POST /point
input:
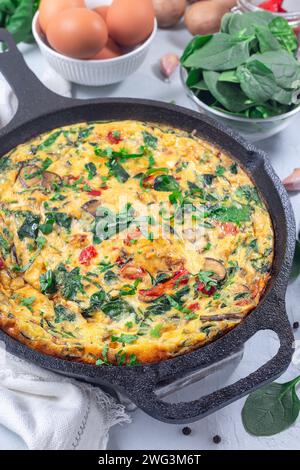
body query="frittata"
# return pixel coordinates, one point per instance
(127, 242)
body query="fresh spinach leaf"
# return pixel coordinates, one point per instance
(228, 94)
(284, 66)
(257, 81)
(244, 25)
(196, 43)
(16, 16)
(229, 76)
(266, 40)
(271, 409)
(285, 35)
(194, 76)
(222, 52)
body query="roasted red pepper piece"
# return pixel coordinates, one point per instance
(132, 235)
(207, 291)
(194, 306)
(94, 192)
(275, 6)
(2, 265)
(87, 255)
(114, 137)
(229, 228)
(160, 289)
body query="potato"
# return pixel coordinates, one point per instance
(227, 3)
(168, 12)
(204, 17)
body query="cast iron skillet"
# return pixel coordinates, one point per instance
(39, 111)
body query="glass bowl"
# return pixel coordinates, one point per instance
(252, 130)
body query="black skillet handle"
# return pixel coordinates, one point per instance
(185, 412)
(33, 97)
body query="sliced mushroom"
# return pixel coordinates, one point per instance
(228, 316)
(91, 206)
(216, 267)
(25, 179)
(49, 179)
(14, 255)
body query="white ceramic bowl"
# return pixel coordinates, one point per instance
(251, 129)
(92, 72)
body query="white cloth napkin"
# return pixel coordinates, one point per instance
(49, 411)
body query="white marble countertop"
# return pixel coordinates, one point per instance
(145, 432)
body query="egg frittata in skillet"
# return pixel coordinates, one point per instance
(127, 242)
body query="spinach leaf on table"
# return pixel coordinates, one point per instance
(16, 16)
(271, 409)
(221, 52)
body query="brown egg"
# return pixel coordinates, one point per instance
(79, 33)
(130, 22)
(110, 51)
(102, 11)
(49, 8)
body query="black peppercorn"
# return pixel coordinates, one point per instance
(217, 439)
(296, 325)
(186, 431)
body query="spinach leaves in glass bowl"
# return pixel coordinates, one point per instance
(248, 69)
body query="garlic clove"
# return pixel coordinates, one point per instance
(292, 182)
(168, 64)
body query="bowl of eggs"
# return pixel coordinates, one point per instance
(97, 46)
